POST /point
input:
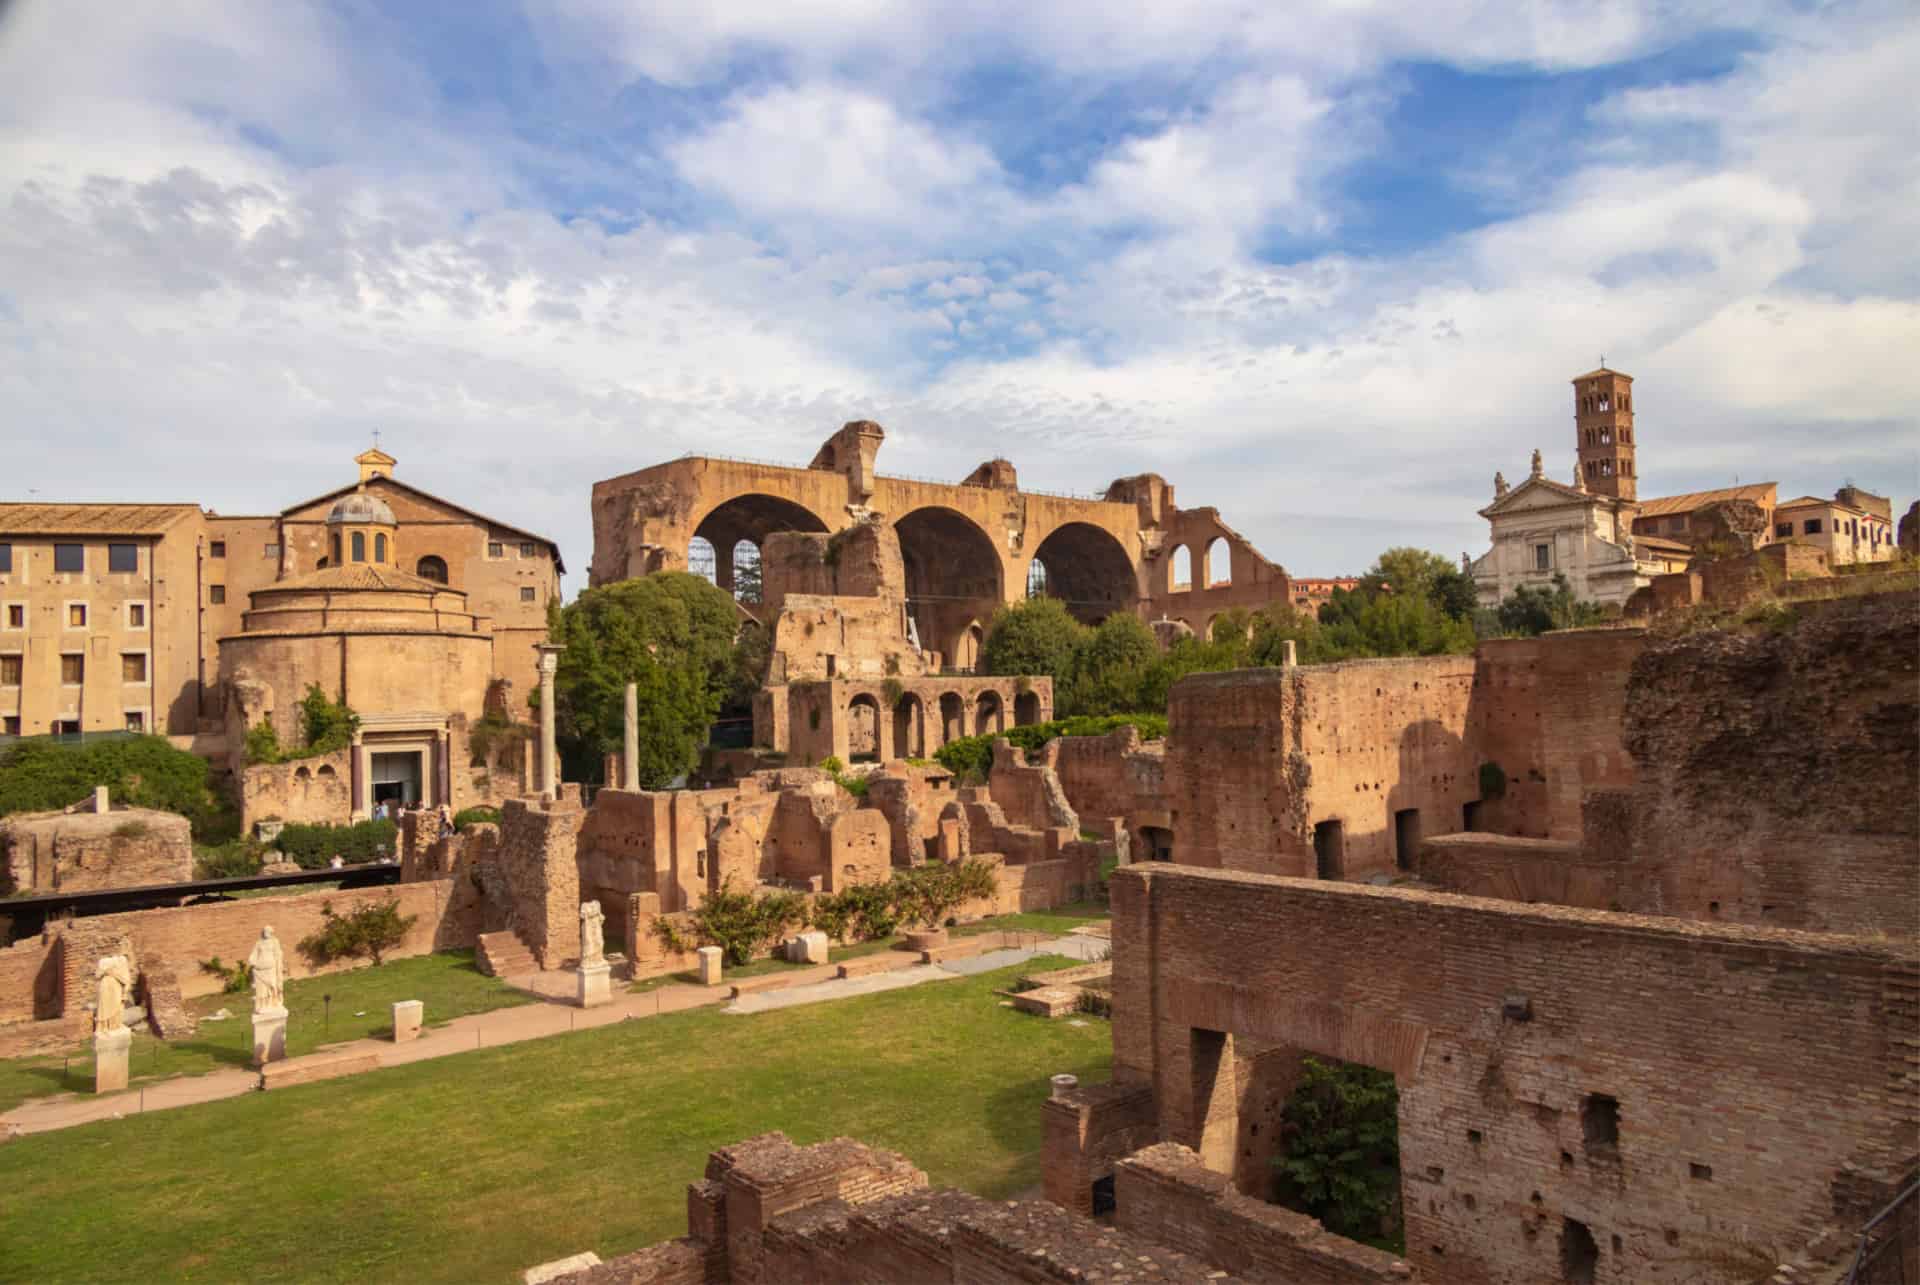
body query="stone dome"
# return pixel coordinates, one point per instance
(359, 507)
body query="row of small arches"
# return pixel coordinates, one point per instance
(1216, 566)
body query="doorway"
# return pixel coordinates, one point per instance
(1329, 849)
(397, 778)
(1406, 837)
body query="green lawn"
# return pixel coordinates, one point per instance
(761, 967)
(448, 983)
(1059, 921)
(476, 1166)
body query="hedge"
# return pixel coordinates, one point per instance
(972, 756)
(313, 847)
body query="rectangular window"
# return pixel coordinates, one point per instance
(69, 557)
(11, 667)
(216, 594)
(76, 615)
(66, 727)
(136, 615)
(271, 551)
(217, 549)
(526, 548)
(10, 725)
(133, 667)
(495, 549)
(16, 615)
(1677, 524)
(136, 721)
(526, 593)
(1542, 557)
(1783, 529)
(123, 557)
(6, 557)
(1811, 526)
(73, 669)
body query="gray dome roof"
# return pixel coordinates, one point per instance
(360, 507)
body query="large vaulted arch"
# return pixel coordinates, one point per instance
(1087, 569)
(953, 576)
(750, 518)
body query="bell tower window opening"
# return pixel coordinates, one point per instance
(359, 546)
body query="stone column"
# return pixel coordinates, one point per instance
(110, 1060)
(630, 746)
(1289, 656)
(549, 756)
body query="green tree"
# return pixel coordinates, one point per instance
(1108, 667)
(1035, 637)
(1354, 625)
(1342, 1160)
(1279, 625)
(673, 634)
(1531, 610)
(370, 930)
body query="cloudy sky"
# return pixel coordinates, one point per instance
(1325, 266)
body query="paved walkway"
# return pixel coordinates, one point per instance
(557, 1016)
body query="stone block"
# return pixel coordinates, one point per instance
(110, 1060)
(710, 957)
(407, 1015)
(269, 1036)
(323, 1066)
(808, 948)
(593, 989)
(560, 1267)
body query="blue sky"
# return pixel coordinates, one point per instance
(1327, 267)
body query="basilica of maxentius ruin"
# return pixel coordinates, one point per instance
(1628, 913)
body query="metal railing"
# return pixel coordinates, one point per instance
(1084, 496)
(1893, 1228)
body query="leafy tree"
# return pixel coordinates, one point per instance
(673, 634)
(1279, 625)
(1357, 624)
(1035, 637)
(1109, 664)
(1342, 1160)
(138, 771)
(370, 930)
(1191, 656)
(1531, 610)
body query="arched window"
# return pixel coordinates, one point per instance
(747, 586)
(380, 548)
(1180, 570)
(336, 548)
(1219, 562)
(700, 557)
(359, 546)
(431, 568)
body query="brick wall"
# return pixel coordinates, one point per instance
(1747, 1067)
(1116, 775)
(79, 851)
(535, 874)
(31, 981)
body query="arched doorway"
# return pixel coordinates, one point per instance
(750, 519)
(909, 727)
(953, 717)
(966, 655)
(1026, 708)
(989, 716)
(863, 728)
(953, 579)
(1087, 569)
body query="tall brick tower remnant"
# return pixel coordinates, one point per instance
(1603, 431)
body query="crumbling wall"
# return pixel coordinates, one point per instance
(532, 876)
(1698, 1091)
(83, 851)
(32, 984)
(1029, 793)
(911, 798)
(309, 791)
(1116, 775)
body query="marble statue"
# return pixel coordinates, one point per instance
(593, 934)
(269, 966)
(115, 980)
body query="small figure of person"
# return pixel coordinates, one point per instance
(337, 862)
(446, 820)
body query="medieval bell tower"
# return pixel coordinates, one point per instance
(1603, 431)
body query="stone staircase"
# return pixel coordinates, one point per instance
(503, 954)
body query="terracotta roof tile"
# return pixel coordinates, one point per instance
(359, 575)
(91, 519)
(1758, 492)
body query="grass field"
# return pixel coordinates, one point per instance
(448, 983)
(474, 1167)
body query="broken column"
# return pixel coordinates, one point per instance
(630, 745)
(549, 754)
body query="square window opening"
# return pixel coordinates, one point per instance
(1600, 1121)
(123, 557)
(70, 557)
(11, 670)
(217, 549)
(216, 594)
(73, 669)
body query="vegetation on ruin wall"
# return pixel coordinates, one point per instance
(472, 1168)
(674, 635)
(138, 771)
(325, 726)
(972, 756)
(1341, 1128)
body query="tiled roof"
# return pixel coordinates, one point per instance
(359, 575)
(1804, 500)
(1758, 492)
(91, 519)
(350, 487)
(1660, 544)
(1595, 374)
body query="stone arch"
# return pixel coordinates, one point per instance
(326, 772)
(1088, 570)
(989, 715)
(909, 727)
(1026, 708)
(751, 517)
(953, 716)
(1219, 562)
(1180, 569)
(863, 727)
(953, 577)
(431, 568)
(966, 654)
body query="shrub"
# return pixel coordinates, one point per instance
(475, 816)
(328, 725)
(925, 895)
(132, 830)
(861, 912)
(492, 732)
(263, 743)
(234, 859)
(138, 771)
(312, 847)
(232, 980)
(370, 930)
(1342, 1158)
(742, 923)
(972, 756)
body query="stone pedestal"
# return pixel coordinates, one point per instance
(407, 1016)
(269, 1036)
(710, 957)
(110, 1060)
(594, 989)
(926, 938)
(808, 948)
